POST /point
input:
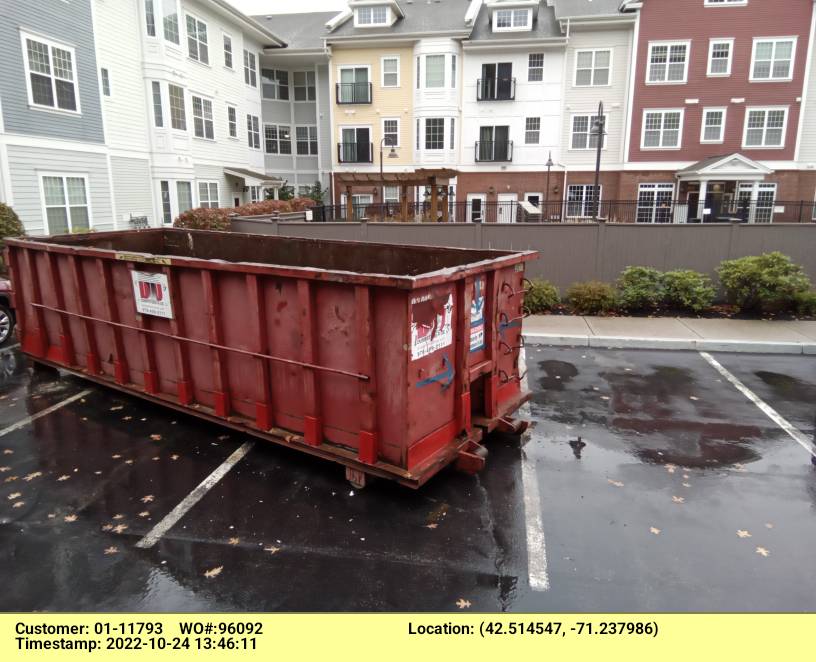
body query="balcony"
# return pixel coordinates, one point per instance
(355, 153)
(353, 93)
(492, 151)
(495, 89)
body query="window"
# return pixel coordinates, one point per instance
(275, 84)
(535, 67)
(453, 71)
(377, 15)
(178, 117)
(197, 40)
(171, 21)
(417, 133)
(167, 210)
(203, 118)
(532, 130)
(760, 198)
(228, 51)
(654, 203)
(581, 200)
(434, 133)
(306, 137)
(304, 84)
(668, 62)
(354, 85)
(662, 129)
(150, 18)
(434, 71)
(250, 70)
(713, 125)
(592, 68)
(304, 190)
(418, 77)
(772, 59)
(253, 132)
(105, 76)
(50, 75)
(390, 130)
(452, 132)
(184, 193)
(232, 121)
(208, 194)
(582, 137)
(65, 200)
(765, 127)
(390, 72)
(720, 54)
(511, 19)
(278, 139)
(158, 114)
(391, 194)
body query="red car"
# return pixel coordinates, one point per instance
(6, 313)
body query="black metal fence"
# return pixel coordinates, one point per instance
(495, 89)
(353, 93)
(355, 152)
(493, 150)
(642, 211)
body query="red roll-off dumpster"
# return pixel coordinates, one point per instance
(391, 360)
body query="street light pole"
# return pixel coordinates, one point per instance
(391, 155)
(598, 130)
(549, 165)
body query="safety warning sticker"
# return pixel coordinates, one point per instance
(477, 326)
(152, 294)
(431, 324)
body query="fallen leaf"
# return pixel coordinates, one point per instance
(144, 513)
(768, 525)
(8, 451)
(742, 533)
(685, 476)
(604, 397)
(63, 477)
(432, 525)
(223, 437)
(155, 457)
(117, 408)
(213, 572)
(32, 476)
(142, 419)
(234, 541)
(116, 457)
(671, 468)
(119, 528)
(272, 549)
(693, 397)
(127, 418)
(616, 483)
(118, 516)
(70, 518)
(678, 499)
(111, 550)
(762, 551)
(18, 504)
(462, 603)
(97, 473)
(51, 515)
(107, 527)
(10, 479)
(156, 437)
(4, 469)
(175, 457)
(14, 495)
(147, 498)
(655, 530)
(128, 461)
(686, 484)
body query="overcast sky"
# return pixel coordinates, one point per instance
(256, 7)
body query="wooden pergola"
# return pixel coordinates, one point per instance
(433, 178)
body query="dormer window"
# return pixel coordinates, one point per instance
(371, 15)
(505, 20)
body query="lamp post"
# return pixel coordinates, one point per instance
(598, 127)
(549, 165)
(391, 155)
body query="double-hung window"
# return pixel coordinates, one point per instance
(535, 67)
(654, 203)
(228, 51)
(150, 18)
(178, 115)
(390, 71)
(306, 138)
(434, 71)
(253, 132)
(532, 130)
(581, 134)
(170, 20)
(592, 68)
(278, 139)
(304, 84)
(275, 84)
(772, 59)
(197, 47)
(105, 77)
(184, 194)
(713, 128)
(668, 62)
(208, 194)
(158, 112)
(662, 129)
(250, 69)
(434, 133)
(390, 130)
(765, 127)
(581, 200)
(203, 118)
(65, 199)
(52, 80)
(720, 56)
(232, 121)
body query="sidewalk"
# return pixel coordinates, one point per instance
(714, 335)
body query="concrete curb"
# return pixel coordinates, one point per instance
(689, 344)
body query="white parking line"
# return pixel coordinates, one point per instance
(172, 518)
(536, 545)
(766, 409)
(44, 412)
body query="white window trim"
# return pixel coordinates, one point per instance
(235, 108)
(789, 78)
(423, 142)
(538, 130)
(682, 112)
(261, 144)
(212, 113)
(187, 109)
(543, 59)
(711, 42)
(655, 187)
(51, 44)
(64, 175)
(611, 52)
(159, 10)
(399, 130)
(224, 33)
(725, 3)
(292, 86)
(256, 69)
(724, 111)
(445, 72)
(388, 19)
(198, 47)
(197, 194)
(584, 200)
(680, 42)
(518, 28)
(294, 139)
(382, 71)
(590, 115)
(748, 110)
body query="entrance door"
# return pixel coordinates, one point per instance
(354, 85)
(714, 201)
(356, 145)
(506, 212)
(475, 207)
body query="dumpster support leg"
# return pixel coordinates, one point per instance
(78, 276)
(312, 432)
(184, 390)
(367, 439)
(121, 372)
(263, 386)
(212, 305)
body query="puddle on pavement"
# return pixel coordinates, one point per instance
(556, 374)
(787, 387)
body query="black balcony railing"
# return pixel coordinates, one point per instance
(353, 93)
(355, 153)
(492, 150)
(495, 89)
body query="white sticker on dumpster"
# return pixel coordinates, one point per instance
(152, 294)
(431, 324)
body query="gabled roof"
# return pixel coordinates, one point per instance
(259, 31)
(300, 31)
(419, 17)
(545, 26)
(725, 165)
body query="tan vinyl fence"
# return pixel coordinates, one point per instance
(585, 251)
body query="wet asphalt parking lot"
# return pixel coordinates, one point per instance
(648, 483)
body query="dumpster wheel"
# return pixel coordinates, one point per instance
(356, 478)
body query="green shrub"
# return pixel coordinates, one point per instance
(806, 303)
(592, 297)
(542, 296)
(765, 283)
(640, 288)
(684, 289)
(10, 224)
